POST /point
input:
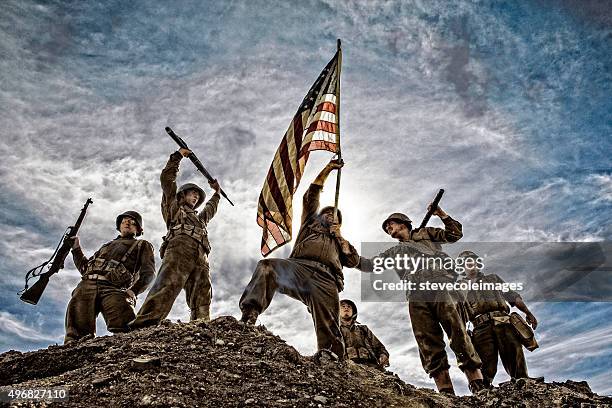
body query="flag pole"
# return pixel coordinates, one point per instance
(339, 173)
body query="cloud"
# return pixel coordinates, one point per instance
(10, 326)
(508, 120)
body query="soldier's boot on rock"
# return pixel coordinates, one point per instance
(325, 356)
(201, 313)
(443, 382)
(249, 316)
(476, 381)
(477, 385)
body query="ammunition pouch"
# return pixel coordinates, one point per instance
(524, 331)
(197, 233)
(359, 353)
(114, 271)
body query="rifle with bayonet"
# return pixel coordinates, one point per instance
(195, 160)
(32, 294)
(432, 208)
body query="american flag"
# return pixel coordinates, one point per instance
(314, 127)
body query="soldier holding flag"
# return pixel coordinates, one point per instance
(313, 272)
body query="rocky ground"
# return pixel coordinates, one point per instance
(224, 363)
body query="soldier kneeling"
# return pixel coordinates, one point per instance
(111, 279)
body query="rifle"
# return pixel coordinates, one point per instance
(32, 295)
(195, 160)
(434, 205)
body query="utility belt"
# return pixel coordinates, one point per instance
(335, 274)
(487, 317)
(359, 353)
(108, 270)
(95, 276)
(112, 270)
(431, 275)
(197, 233)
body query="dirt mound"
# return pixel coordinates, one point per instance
(224, 363)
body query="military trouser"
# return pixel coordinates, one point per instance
(185, 265)
(314, 287)
(89, 299)
(492, 338)
(426, 318)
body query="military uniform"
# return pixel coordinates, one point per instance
(362, 346)
(433, 312)
(121, 264)
(312, 274)
(493, 334)
(185, 256)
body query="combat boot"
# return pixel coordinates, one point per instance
(443, 382)
(476, 385)
(201, 313)
(249, 316)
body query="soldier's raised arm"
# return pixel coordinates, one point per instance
(169, 174)
(452, 231)
(310, 204)
(210, 209)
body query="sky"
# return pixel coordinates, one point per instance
(506, 105)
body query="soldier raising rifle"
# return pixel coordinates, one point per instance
(184, 251)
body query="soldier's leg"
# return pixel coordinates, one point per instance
(177, 265)
(116, 309)
(485, 343)
(429, 337)
(198, 290)
(511, 351)
(270, 275)
(448, 315)
(324, 305)
(81, 312)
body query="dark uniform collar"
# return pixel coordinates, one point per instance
(131, 236)
(188, 209)
(479, 275)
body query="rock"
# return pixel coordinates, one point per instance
(101, 381)
(321, 399)
(260, 370)
(144, 362)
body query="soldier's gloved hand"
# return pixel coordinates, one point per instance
(335, 164)
(214, 185)
(131, 297)
(184, 152)
(74, 242)
(531, 320)
(335, 230)
(438, 211)
(384, 360)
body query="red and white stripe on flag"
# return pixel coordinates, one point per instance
(314, 127)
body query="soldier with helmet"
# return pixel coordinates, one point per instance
(433, 312)
(111, 279)
(184, 251)
(313, 272)
(362, 346)
(494, 333)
